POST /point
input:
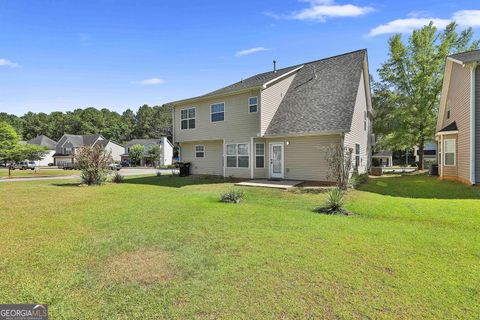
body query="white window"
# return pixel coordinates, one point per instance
(187, 118)
(449, 151)
(199, 151)
(259, 155)
(365, 120)
(357, 155)
(253, 104)
(67, 150)
(217, 112)
(237, 155)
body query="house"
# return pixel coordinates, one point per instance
(382, 159)
(277, 124)
(458, 123)
(429, 153)
(49, 144)
(166, 150)
(68, 143)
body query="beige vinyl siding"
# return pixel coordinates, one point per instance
(477, 125)
(357, 134)
(459, 98)
(271, 98)
(304, 156)
(211, 164)
(238, 122)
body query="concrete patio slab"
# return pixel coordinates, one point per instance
(279, 184)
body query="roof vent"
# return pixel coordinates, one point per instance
(274, 65)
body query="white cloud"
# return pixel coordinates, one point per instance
(150, 82)
(320, 10)
(247, 52)
(464, 18)
(468, 18)
(8, 63)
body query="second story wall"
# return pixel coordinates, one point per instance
(271, 98)
(238, 122)
(458, 103)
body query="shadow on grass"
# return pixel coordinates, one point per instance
(67, 184)
(420, 186)
(176, 181)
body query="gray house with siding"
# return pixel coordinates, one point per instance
(277, 124)
(458, 124)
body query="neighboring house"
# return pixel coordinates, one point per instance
(68, 143)
(429, 153)
(458, 124)
(277, 124)
(49, 144)
(382, 159)
(166, 150)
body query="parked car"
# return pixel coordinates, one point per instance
(67, 166)
(115, 166)
(125, 163)
(24, 165)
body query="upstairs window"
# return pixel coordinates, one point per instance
(253, 104)
(365, 120)
(449, 109)
(188, 118)
(217, 112)
(199, 151)
(259, 155)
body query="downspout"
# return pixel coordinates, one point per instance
(473, 154)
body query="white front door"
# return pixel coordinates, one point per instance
(276, 160)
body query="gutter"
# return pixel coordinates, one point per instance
(473, 154)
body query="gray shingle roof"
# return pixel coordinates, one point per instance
(142, 142)
(43, 141)
(467, 56)
(383, 154)
(451, 127)
(321, 97)
(82, 140)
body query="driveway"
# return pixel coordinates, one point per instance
(123, 171)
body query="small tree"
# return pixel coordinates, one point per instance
(153, 154)
(136, 153)
(93, 161)
(12, 151)
(339, 161)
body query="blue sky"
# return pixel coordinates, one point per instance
(60, 55)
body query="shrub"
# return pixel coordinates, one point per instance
(334, 203)
(117, 178)
(232, 196)
(93, 162)
(358, 179)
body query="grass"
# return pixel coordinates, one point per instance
(165, 247)
(38, 173)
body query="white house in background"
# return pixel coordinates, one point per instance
(49, 144)
(69, 143)
(383, 158)
(166, 150)
(429, 153)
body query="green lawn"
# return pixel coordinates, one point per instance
(38, 173)
(164, 247)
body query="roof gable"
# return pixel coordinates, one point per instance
(322, 96)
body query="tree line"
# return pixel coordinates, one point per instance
(147, 122)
